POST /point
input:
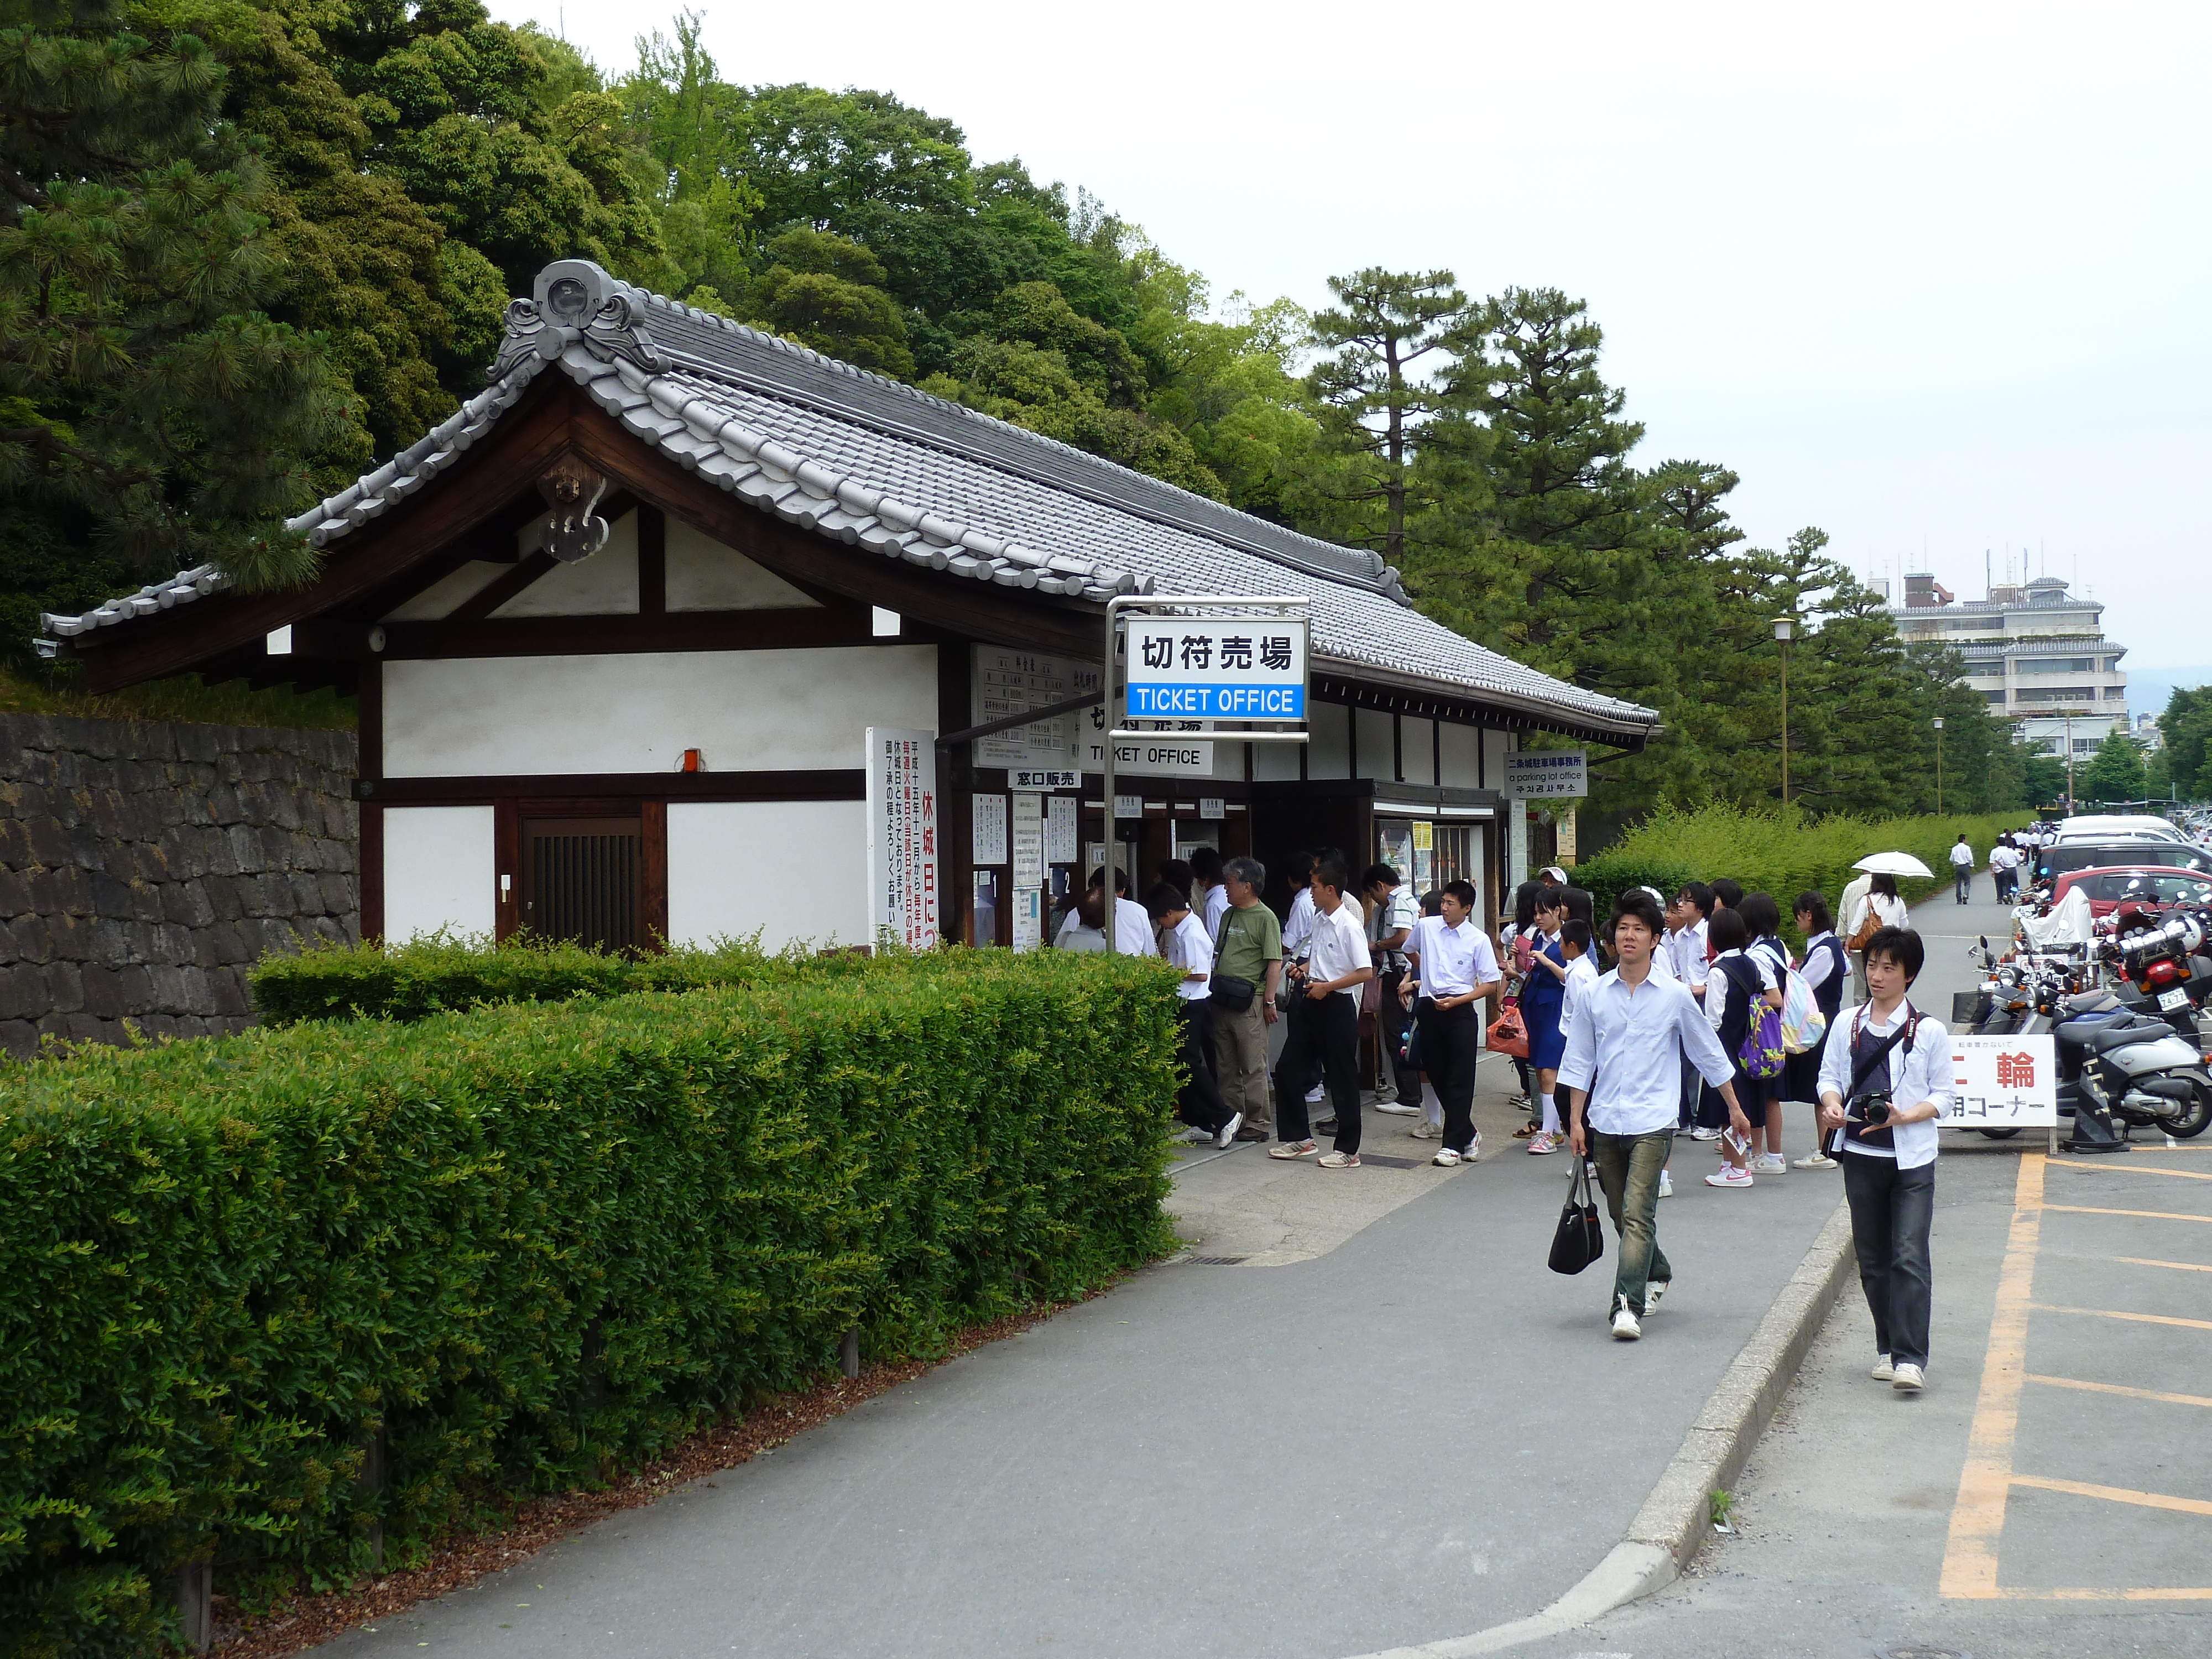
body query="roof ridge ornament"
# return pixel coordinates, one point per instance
(575, 303)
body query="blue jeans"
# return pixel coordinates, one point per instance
(1628, 1169)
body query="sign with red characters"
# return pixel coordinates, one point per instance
(2004, 1083)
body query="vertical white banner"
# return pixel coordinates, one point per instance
(1028, 870)
(903, 896)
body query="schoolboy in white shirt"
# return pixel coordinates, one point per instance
(1327, 1029)
(1454, 968)
(1200, 1101)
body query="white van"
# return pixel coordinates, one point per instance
(2118, 826)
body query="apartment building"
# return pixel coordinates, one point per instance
(2035, 650)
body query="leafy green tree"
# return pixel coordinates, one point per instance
(2185, 732)
(2043, 777)
(1384, 323)
(147, 399)
(826, 292)
(2115, 772)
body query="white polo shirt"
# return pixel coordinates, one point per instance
(1190, 949)
(1339, 946)
(1453, 961)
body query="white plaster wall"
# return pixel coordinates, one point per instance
(1494, 747)
(441, 870)
(1417, 739)
(1460, 757)
(1329, 747)
(746, 711)
(793, 870)
(1377, 737)
(605, 584)
(1276, 762)
(705, 575)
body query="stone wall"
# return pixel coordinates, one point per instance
(145, 865)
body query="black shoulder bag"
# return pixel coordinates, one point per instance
(1580, 1239)
(1228, 991)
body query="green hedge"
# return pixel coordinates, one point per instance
(441, 973)
(519, 1243)
(1778, 852)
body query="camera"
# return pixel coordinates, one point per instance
(1873, 1110)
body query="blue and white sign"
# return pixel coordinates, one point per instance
(1182, 668)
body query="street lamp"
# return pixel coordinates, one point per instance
(1939, 765)
(1783, 627)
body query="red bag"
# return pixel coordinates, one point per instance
(1507, 1034)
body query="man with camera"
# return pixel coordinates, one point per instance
(1882, 1087)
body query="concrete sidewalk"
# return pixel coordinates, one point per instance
(1410, 1431)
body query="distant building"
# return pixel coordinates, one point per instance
(2148, 734)
(2035, 651)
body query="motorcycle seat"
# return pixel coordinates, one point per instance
(2099, 1036)
(2090, 1002)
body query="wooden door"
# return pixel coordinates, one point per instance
(583, 880)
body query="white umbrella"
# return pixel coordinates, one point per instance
(1892, 864)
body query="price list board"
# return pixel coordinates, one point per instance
(1007, 683)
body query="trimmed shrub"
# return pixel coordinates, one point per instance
(441, 973)
(519, 1243)
(1777, 852)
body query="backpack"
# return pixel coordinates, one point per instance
(1760, 1054)
(1802, 1023)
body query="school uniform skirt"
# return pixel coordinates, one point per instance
(1800, 1074)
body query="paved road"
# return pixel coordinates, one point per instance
(2051, 1493)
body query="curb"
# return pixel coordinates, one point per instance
(1674, 1523)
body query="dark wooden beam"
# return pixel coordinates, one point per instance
(682, 630)
(651, 562)
(839, 783)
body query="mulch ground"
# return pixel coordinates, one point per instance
(460, 1561)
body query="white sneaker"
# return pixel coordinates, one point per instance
(1666, 1183)
(1397, 1109)
(1705, 1135)
(1445, 1158)
(1770, 1164)
(1909, 1379)
(1473, 1153)
(1652, 1291)
(1729, 1175)
(1229, 1129)
(1625, 1325)
(1428, 1132)
(1815, 1161)
(1883, 1371)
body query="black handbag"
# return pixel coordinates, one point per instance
(1581, 1238)
(1230, 993)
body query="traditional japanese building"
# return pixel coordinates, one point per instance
(619, 627)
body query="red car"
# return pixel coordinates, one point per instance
(2153, 886)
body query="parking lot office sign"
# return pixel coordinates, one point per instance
(1548, 774)
(1183, 668)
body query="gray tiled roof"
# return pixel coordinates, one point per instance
(882, 467)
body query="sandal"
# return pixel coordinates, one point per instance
(1525, 1130)
(1293, 1149)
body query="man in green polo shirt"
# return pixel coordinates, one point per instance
(1249, 949)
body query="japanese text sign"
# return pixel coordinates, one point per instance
(903, 820)
(1238, 669)
(2003, 1083)
(1560, 773)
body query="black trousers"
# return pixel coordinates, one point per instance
(1391, 1023)
(1199, 1104)
(1891, 1212)
(1451, 1044)
(1325, 1034)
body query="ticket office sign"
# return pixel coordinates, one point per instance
(1185, 669)
(2004, 1083)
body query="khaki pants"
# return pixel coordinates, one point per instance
(1240, 1047)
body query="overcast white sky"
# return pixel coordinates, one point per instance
(1929, 277)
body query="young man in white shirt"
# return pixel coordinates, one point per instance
(1198, 1102)
(1327, 1029)
(1623, 1073)
(1962, 868)
(1390, 927)
(1686, 946)
(1885, 1079)
(1132, 924)
(1454, 968)
(1212, 896)
(1577, 944)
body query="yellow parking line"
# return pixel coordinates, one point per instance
(2130, 1169)
(1969, 1556)
(2140, 1319)
(2114, 1388)
(2179, 1266)
(2149, 1500)
(2148, 1215)
(2106, 1595)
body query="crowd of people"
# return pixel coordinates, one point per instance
(1660, 1021)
